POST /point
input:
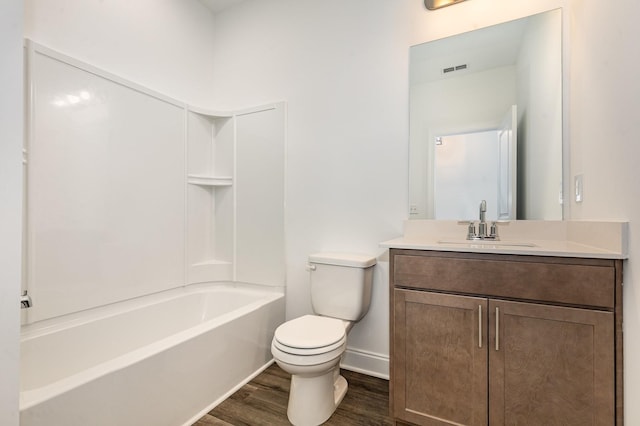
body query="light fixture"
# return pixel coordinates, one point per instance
(437, 4)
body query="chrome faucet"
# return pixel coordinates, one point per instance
(482, 226)
(482, 233)
(25, 300)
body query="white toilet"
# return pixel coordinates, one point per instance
(310, 347)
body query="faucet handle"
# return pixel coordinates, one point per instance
(493, 233)
(471, 232)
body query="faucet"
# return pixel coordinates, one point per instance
(482, 233)
(482, 226)
(25, 300)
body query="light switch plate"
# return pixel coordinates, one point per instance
(579, 188)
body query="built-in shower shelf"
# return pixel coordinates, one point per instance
(202, 180)
(210, 270)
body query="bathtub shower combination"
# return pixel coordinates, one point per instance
(154, 263)
(157, 360)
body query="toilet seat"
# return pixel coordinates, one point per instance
(309, 352)
(310, 335)
(309, 340)
(306, 360)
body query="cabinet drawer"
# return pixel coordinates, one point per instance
(558, 280)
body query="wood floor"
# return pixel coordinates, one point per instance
(263, 402)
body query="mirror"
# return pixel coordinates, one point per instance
(473, 84)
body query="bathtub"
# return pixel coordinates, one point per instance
(164, 359)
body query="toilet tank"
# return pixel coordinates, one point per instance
(341, 284)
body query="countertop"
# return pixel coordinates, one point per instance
(602, 240)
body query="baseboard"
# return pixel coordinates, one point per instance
(365, 362)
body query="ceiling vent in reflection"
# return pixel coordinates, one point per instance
(454, 68)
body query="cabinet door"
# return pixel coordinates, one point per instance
(440, 358)
(550, 365)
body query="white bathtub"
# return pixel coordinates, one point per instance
(164, 359)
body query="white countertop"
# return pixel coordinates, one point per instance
(602, 240)
(540, 247)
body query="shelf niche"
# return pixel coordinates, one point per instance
(210, 197)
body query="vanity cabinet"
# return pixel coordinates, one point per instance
(496, 339)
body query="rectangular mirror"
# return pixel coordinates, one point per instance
(486, 122)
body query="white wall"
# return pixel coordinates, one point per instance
(343, 68)
(336, 63)
(10, 205)
(605, 103)
(161, 44)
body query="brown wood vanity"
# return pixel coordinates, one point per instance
(494, 339)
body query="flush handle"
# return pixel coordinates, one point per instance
(310, 267)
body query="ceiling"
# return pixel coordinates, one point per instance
(219, 5)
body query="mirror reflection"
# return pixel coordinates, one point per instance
(486, 122)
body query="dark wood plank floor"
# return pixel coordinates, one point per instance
(263, 402)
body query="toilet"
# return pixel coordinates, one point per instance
(310, 347)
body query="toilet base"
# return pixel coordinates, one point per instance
(340, 388)
(314, 398)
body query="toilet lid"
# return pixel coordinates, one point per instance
(310, 331)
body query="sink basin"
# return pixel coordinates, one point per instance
(487, 243)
